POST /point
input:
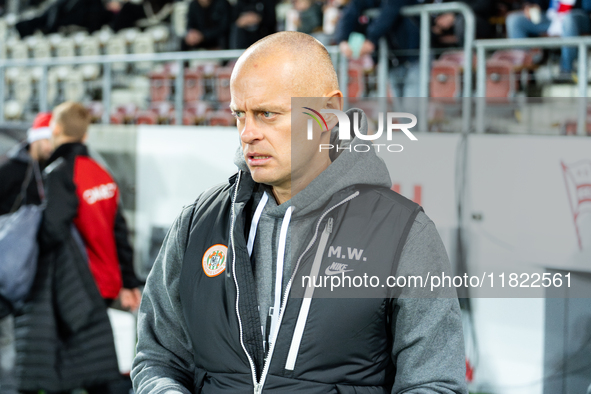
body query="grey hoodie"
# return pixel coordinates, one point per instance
(441, 360)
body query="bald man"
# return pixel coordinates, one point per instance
(223, 310)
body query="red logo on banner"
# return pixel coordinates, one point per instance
(577, 177)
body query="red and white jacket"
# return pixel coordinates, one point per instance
(82, 193)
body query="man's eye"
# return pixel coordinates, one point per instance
(268, 114)
(238, 114)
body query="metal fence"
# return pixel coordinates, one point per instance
(425, 11)
(582, 43)
(108, 60)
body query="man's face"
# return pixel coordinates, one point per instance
(261, 102)
(41, 149)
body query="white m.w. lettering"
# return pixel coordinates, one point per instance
(98, 193)
(354, 253)
(334, 251)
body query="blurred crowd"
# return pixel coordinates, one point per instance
(236, 24)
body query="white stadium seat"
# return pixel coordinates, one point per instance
(13, 109)
(74, 86)
(66, 48)
(143, 43)
(90, 46)
(23, 87)
(117, 46)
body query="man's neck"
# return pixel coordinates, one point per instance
(286, 192)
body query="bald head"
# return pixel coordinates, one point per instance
(304, 62)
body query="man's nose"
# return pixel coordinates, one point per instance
(250, 132)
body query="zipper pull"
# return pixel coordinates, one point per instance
(329, 225)
(258, 388)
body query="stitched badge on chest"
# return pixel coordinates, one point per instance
(214, 260)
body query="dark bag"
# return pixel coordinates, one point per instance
(18, 243)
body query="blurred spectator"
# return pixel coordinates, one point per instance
(208, 22)
(253, 20)
(64, 339)
(308, 16)
(128, 13)
(449, 28)
(88, 14)
(402, 34)
(13, 174)
(555, 18)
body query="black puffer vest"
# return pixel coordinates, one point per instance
(328, 343)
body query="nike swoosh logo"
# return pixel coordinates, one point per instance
(334, 272)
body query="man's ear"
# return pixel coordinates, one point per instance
(335, 101)
(56, 130)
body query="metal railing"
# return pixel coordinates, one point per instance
(425, 11)
(582, 43)
(107, 78)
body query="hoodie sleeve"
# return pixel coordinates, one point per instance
(428, 345)
(164, 360)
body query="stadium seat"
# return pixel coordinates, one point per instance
(17, 50)
(193, 88)
(66, 47)
(179, 18)
(41, 48)
(52, 86)
(159, 33)
(222, 85)
(220, 118)
(74, 86)
(90, 46)
(142, 44)
(129, 35)
(146, 117)
(117, 46)
(104, 35)
(164, 109)
(13, 110)
(446, 75)
(79, 37)
(503, 70)
(23, 87)
(159, 86)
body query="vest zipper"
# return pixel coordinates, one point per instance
(259, 386)
(309, 293)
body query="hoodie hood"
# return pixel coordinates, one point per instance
(348, 168)
(20, 153)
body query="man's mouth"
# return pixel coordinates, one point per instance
(257, 158)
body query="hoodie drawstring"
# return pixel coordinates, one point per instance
(280, 260)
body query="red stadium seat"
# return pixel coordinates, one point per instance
(193, 88)
(503, 70)
(146, 117)
(159, 86)
(220, 118)
(222, 84)
(446, 79)
(446, 75)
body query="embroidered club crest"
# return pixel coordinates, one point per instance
(214, 260)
